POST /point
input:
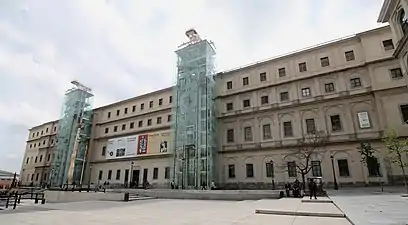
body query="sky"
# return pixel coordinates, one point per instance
(124, 48)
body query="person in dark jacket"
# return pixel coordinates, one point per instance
(287, 189)
(312, 188)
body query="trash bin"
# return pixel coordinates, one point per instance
(126, 197)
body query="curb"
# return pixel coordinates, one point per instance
(287, 213)
(317, 201)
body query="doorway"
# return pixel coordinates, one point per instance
(136, 178)
(145, 173)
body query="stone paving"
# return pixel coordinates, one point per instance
(169, 212)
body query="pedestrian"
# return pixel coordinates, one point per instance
(287, 189)
(312, 188)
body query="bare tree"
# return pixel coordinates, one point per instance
(310, 148)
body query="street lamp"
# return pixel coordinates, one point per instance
(130, 174)
(272, 174)
(336, 187)
(89, 177)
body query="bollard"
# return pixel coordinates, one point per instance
(15, 201)
(43, 201)
(36, 199)
(126, 196)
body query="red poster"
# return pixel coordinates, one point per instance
(142, 144)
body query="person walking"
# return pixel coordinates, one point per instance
(312, 188)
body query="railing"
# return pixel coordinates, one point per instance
(13, 198)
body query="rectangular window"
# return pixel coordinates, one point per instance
(284, 96)
(262, 77)
(36, 176)
(134, 108)
(249, 170)
(151, 104)
(329, 87)
(355, 82)
(245, 81)
(126, 110)
(117, 174)
(28, 159)
(292, 172)
(117, 112)
(230, 106)
(247, 103)
(282, 72)
(131, 125)
(48, 157)
(149, 122)
(404, 112)
(335, 123)
(247, 133)
(373, 167)
(35, 161)
(231, 171)
(230, 135)
(159, 120)
(269, 169)
(167, 173)
(306, 92)
(142, 106)
(160, 101)
(109, 174)
(310, 126)
(264, 100)
(168, 118)
(229, 85)
(140, 123)
(115, 128)
(396, 73)
(266, 130)
(388, 45)
(287, 129)
(100, 175)
(316, 169)
(103, 150)
(155, 173)
(343, 168)
(170, 99)
(123, 126)
(349, 55)
(302, 67)
(32, 177)
(324, 61)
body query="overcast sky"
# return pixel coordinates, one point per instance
(124, 48)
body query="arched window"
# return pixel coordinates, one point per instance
(403, 20)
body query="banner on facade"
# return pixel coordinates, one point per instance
(122, 147)
(142, 141)
(363, 120)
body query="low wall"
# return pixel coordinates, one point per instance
(69, 196)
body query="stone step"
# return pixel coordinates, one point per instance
(136, 198)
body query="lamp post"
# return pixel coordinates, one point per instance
(89, 177)
(130, 174)
(336, 187)
(272, 174)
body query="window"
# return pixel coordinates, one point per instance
(310, 126)
(159, 120)
(142, 106)
(170, 99)
(230, 106)
(103, 150)
(35, 161)
(32, 177)
(292, 172)
(403, 21)
(284, 96)
(231, 171)
(335, 123)
(245, 81)
(329, 87)
(247, 133)
(404, 112)
(324, 61)
(44, 142)
(134, 108)
(117, 174)
(287, 129)
(140, 123)
(229, 85)
(167, 173)
(349, 55)
(149, 122)
(109, 174)
(31, 145)
(100, 175)
(373, 167)
(151, 104)
(269, 169)
(45, 176)
(355, 82)
(35, 144)
(46, 130)
(160, 101)
(106, 130)
(117, 112)
(396, 73)
(36, 176)
(42, 132)
(131, 125)
(343, 168)
(39, 144)
(28, 159)
(155, 173)
(266, 130)
(247, 103)
(282, 72)
(262, 76)
(302, 67)
(306, 92)
(123, 126)
(52, 141)
(126, 110)
(115, 128)
(168, 118)
(48, 157)
(230, 135)
(316, 169)
(264, 100)
(388, 45)
(249, 170)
